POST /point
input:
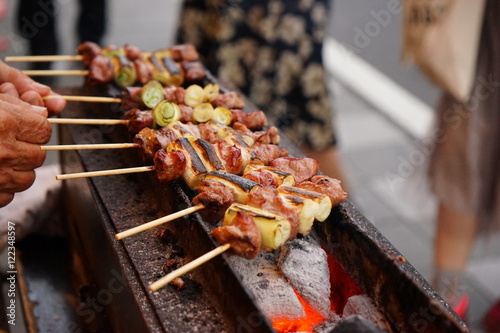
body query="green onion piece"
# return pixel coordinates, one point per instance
(203, 112)
(152, 93)
(222, 115)
(126, 76)
(194, 95)
(166, 112)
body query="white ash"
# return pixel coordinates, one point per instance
(364, 306)
(273, 293)
(305, 265)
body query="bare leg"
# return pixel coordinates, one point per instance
(329, 163)
(455, 236)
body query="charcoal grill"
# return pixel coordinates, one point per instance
(214, 299)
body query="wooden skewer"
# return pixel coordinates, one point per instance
(62, 72)
(43, 58)
(85, 98)
(84, 121)
(104, 172)
(91, 146)
(157, 222)
(188, 267)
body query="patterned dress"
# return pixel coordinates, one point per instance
(271, 51)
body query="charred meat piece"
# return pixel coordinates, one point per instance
(230, 100)
(268, 176)
(184, 52)
(131, 98)
(148, 141)
(243, 236)
(253, 120)
(268, 136)
(193, 71)
(231, 156)
(101, 69)
(153, 140)
(88, 50)
(171, 165)
(302, 168)
(139, 120)
(268, 199)
(264, 154)
(144, 71)
(132, 52)
(186, 113)
(208, 132)
(215, 197)
(174, 94)
(326, 185)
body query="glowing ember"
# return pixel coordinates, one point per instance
(343, 286)
(305, 324)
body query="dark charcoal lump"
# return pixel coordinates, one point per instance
(356, 324)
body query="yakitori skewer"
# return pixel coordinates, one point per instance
(299, 205)
(248, 225)
(128, 65)
(236, 232)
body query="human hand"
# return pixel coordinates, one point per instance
(23, 128)
(13, 82)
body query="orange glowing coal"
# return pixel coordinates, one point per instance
(342, 287)
(304, 324)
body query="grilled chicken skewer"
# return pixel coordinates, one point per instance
(127, 65)
(246, 230)
(301, 204)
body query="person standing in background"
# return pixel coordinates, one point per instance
(37, 23)
(464, 166)
(271, 51)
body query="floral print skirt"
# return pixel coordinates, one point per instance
(271, 51)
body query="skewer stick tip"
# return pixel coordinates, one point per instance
(157, 222)
(104, 172)
(188, 267)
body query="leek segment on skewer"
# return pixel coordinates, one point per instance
(166, 112)
(152, 93)
(125, 74)
(275, 230)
